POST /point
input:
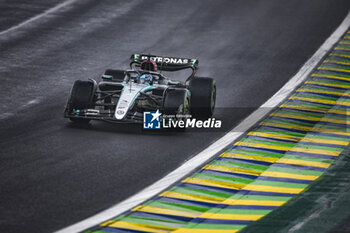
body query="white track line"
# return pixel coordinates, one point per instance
(217, 146)
(30, 20)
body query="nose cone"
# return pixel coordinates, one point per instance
(126, 100)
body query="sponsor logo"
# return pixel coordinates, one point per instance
(151, 120)
(169, 60)
(192, 123)
(155, 120)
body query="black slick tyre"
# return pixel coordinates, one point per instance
(176, 102)
(81, 98)
(203, 97)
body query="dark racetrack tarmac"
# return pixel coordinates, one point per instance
(53, 173)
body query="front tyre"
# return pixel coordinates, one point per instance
(81, 97)
(203, 97)
(176, 102)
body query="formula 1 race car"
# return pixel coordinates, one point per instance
(123, 95)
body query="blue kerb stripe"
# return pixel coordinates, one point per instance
(220, 221)
(259, 149)
(286, 152)
(321, 156)
(207, 188)
(234, 175)
(232, 191)
(315, 94)
(321, 144)
(321, 86)
(339, 56)
(275, 128)
(310, 121)
(311, 155)
(292, 120)
(334, 62)
(247, 207)
(270, 139)
(211, 205)
(328, 72)
(289, 180)
(245, 161)
(309, 102)
(185, 202)
(331, 135)
(321, 169)
(315, 111)
(161, 216)
(120, 230)
(333, 71)
(322, 94)
(259, 193)
(227, 174)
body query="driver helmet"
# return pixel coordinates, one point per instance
(146, 79)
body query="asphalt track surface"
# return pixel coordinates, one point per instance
(54, 173)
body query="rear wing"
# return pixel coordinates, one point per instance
(166, 63)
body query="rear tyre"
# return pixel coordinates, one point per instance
(81, 98)
(203, 97)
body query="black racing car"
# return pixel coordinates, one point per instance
(123, 95)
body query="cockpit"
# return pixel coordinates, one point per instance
(145, 73)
